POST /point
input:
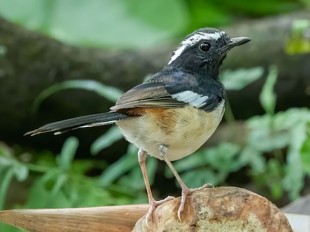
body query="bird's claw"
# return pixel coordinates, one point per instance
(185, 193)
(153, 205)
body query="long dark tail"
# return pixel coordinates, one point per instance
(79, 122)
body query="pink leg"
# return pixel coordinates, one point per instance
(153, 204)
(185, 190)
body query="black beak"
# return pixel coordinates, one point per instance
(238, 41)
(235, 42)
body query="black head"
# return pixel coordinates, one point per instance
(204, 50)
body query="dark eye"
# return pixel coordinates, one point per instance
(204, 46)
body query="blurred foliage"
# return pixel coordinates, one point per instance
(62, 181)
(212, 13)
(211, 165)
(114, 23)
(105, 23)
(274, 157)
(240, 78)
(280, 142)
(299, 39)
(108, 92)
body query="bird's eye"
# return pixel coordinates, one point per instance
(204, 46)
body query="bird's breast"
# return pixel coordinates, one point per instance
(183, 130)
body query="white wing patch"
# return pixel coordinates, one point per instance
(191, 98)
(193, 40)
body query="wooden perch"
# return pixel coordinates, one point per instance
(105, 219)
(211, 209)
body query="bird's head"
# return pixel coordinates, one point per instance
(204, 50)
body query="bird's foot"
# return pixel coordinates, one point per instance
(153, 205)
(186, 192)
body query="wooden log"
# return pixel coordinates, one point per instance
(104, 219)
(218, 209)
(210, 209)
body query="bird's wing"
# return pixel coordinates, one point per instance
(149, 94)
(172, 90)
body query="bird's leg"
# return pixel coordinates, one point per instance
(142, 155)
(163, 149)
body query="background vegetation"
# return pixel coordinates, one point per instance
(273, 158)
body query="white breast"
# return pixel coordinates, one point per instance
(183, 130)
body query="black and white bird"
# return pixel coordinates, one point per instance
(173, 113)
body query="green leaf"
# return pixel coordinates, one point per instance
(265, 135)
(298, 41)
(151, 166)
(240, 78)
(209, 165)
(268, 97)
(223, 158)
(254, 158)
(6, 178)
(271, 132)
(219, 157)
(82, 166)
(200, 177)
(40, 196)
(108, 92)
(288, 119)
(60, 181)
(105, 140)
(133, 179)
(6, 161)
(7, 158)
(21, 171)
(274, 175)
(5, 150)
(305, 155)
(121, 166)
(67, 153)
(50, 176)
(196, 160)
(293, 180)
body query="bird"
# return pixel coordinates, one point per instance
(174, 112)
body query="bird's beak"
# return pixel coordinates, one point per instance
(235, 42)
(238, 41)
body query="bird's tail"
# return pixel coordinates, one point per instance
(79, 122)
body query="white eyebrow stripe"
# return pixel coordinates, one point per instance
(191, 98)
(177, 53)
(192, 40)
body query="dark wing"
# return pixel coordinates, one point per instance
(149, 94)
(173, 88)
